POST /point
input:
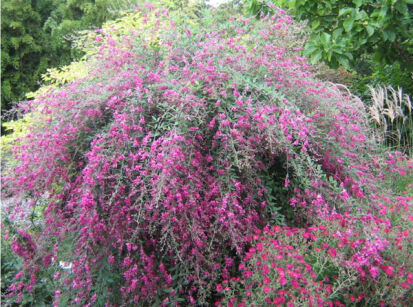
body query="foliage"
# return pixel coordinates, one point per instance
(369, 73)
(335, 262)
(403, 184)
(342, 31)
(392, 114)
(12, 266)
(68, 17)
(19, 127)
(23, 48)
(36, 35)
(371, 39)
(152, 173)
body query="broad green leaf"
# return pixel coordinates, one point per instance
(309, 49)
(357, 2)
(361, 15)
(389, 36)
(329, 55)
(349, 55)
(337, 33)
(345, 11)
(315, 24)
(316, 57)
(392, 36)
(348, 24)
(402, 7)
(325, 38)
(370, 30)
(343, 61)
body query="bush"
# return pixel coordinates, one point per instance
(342, 262)
(343, 31)
(152, 172)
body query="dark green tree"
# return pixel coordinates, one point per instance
(36, 35)
(70, 16)
(23, 43)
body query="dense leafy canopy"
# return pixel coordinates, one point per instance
(23, 48)
(342, 30)
(36, 35)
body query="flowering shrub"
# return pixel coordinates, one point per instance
(153, 171)
(339, 263)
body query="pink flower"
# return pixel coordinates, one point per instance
(211, 124)
(93, 298)
(279, 300)
(225, 123)
(265, 269)
(388, 269)
(286, 182)
(332, 252)
(247, 273)
(283, 281)
(188, 33)
(295, 284)
(374, 271)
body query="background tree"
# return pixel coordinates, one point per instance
(36, 35)
(23, 56)
(342, 31)
(70, 16)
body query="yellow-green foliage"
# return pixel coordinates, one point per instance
(19, 128)
(69, 73)
(132, 21)
(54, 77)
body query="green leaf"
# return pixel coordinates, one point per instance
(349, 55)
(345, 11)
(343, 61)
(361, 15)
(357, 3)
(329, 55)
(309, 49)
(316, 57)
(315, 24)
(370, 30)
(348, 24)
(392, 36)
(325, 38)
(337, 33)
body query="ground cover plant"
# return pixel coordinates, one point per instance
(200, 164)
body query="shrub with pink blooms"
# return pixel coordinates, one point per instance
(158, 178)
(344, 261)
